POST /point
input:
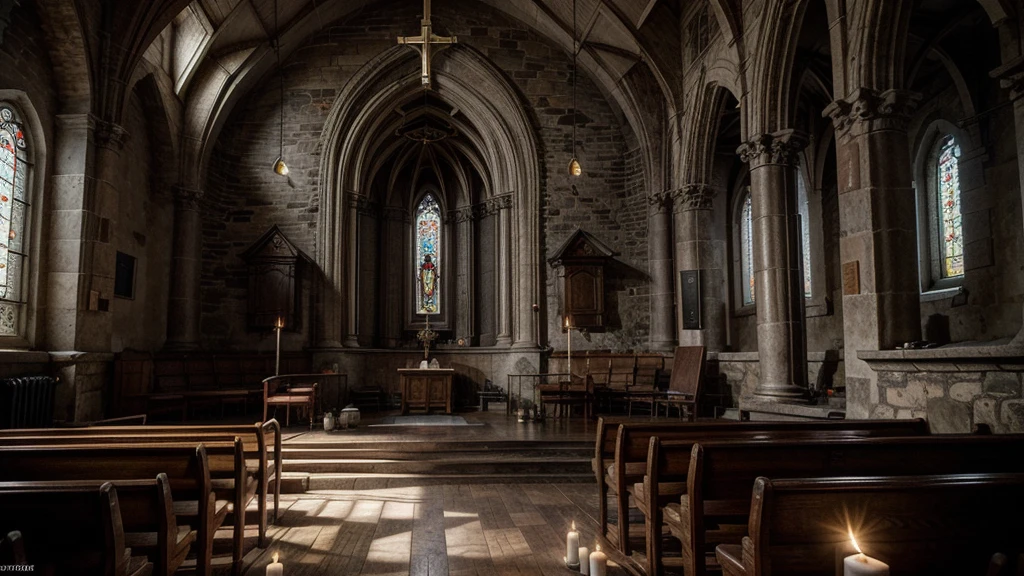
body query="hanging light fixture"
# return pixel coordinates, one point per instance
(575, 170)
(280, 168)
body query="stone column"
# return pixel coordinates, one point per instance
(781, 341)
(392, 291)
(464, 296)
(503, 206)
(70, 216)
(1011, 77)
(659, 250)
(878, 227)
(351, 272)
(696, 249)
(186, 265)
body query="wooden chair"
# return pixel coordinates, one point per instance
(930, 524)
(290, 390)
(72, 531)
(567, 392)
(684, 388)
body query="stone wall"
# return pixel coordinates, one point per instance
(733, 375)
(244, 198)
(954, 394)
(82, 394)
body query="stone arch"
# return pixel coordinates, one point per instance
(479, 90)
(163, 112)
(703, 132)
(69, 53)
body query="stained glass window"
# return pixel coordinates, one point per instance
(950, 221)
(805, 232)
(14, 174)
(747, 251)
(428, 255)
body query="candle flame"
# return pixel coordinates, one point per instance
(854, 541)
(573, 528)
(597, 547)
(280, 322)
(275, 557)
(566, 321)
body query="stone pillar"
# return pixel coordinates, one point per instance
(696, 249)
(878, 225)
(70, 223)
(503, 206)
(351, 272)
(659, 250)
(394, 224)
(464, 296)
(781, 341)
(186, 265)
(1011, 77)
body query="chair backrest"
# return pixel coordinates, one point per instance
(687, 370)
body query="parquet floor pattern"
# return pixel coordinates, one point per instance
(444, 530)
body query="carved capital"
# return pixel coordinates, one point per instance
(660, 202)
(891, 109)
(187, 198)
(463, 214)
(109, 135)
(693, 197)
(496, 204)
(780, 147)
(1011, 77)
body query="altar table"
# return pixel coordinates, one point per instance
(426, 389)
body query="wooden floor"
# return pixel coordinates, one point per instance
(436, 530)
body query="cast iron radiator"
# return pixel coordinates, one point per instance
(27, 402)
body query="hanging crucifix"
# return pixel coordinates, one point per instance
(424, 40)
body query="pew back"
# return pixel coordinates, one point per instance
(916, 524)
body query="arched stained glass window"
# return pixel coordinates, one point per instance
(950, 222)
(747, 250)
(428, 256)
(805, 232)
(14, 175)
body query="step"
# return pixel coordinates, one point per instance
(321, 482)
(492, 464)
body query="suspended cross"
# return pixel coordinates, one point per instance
(425, 39)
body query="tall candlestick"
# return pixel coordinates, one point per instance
(568, 346)
(572, 548)
(860, 564)
(598, 562)
(275, 568)
(277, 354)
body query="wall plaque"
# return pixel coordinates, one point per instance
(690, 281)
(851, 278)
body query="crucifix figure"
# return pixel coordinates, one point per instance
(425, 39)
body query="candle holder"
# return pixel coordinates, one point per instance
(575, 566)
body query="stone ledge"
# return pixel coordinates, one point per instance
(953, 358)
(24, 357)
(436, 351)
(759, 409)
(826, 356)
(72, 357)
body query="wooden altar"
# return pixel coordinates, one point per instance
(426, 389)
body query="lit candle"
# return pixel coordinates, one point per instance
(598, 562)
(568, 346)
(860, 564)
(584, 560)
(572, 546)
(275, 568)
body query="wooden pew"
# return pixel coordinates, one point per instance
(713, 509)
(147, 517)
(629, 461)
(71, 531)
(187, 468)
(257, 440)
(915, 524)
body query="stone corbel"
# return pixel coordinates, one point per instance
(780, 147)
(891, 109)
(109, 135)
(1011, 76)
(462, 214)
(187, 198)
(660, 202)
(693, 197)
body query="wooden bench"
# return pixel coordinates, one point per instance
(258, 440)
(916, 524)
(71, 531)
(713, 509)
(629, 460)
(147, 517)
(188, 469)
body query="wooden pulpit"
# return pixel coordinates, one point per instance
(426, 389)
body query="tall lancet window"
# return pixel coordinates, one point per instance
(428, 256)
(950, 222)
(747, 250)
(805, 231)
(14, 174)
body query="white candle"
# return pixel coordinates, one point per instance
(275, 568)
(864, 565)
(572, 546)
(860, 564)
(568, 347)
(277, 351)
(584, 560)
(598, 562)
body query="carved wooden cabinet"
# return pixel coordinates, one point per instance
(426, 389)
(274, 270)
(584, 259)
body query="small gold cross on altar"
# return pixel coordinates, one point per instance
(425, 39)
